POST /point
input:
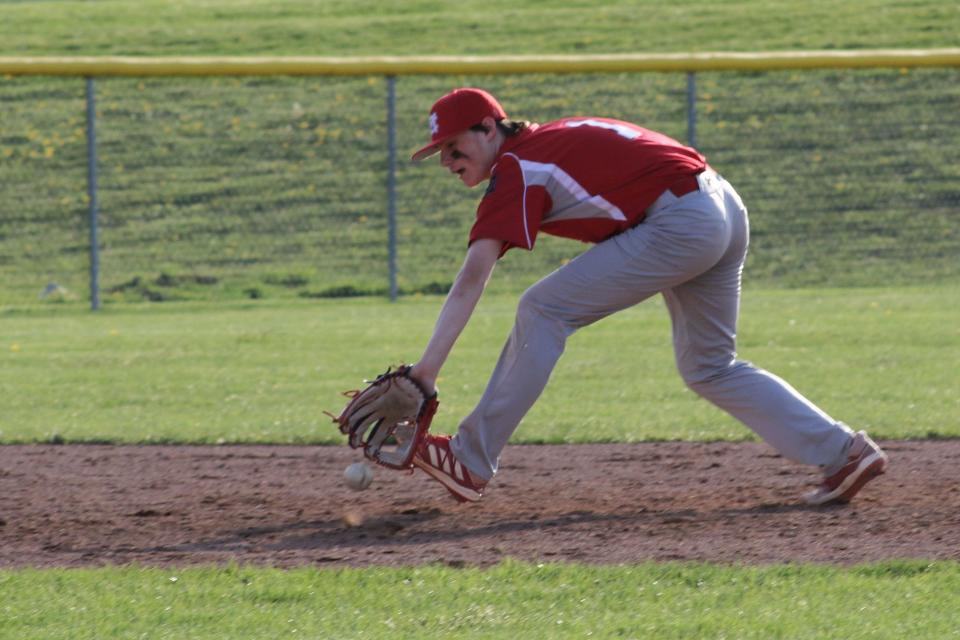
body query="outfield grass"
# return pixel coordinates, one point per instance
(513, 600)
(275, 188)
(879, 359)
(372, 27)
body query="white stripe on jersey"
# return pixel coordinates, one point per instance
(570, 199)
(523, 176)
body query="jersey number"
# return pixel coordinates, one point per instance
(620, 129)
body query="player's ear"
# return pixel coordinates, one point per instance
(490, 127)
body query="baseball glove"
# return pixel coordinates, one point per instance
(389, 418)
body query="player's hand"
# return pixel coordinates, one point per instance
(389, 418)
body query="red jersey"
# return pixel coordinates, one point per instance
(581, 178)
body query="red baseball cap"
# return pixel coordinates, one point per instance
(455, 112)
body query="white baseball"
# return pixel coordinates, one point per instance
(358, 476)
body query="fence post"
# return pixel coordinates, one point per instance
(92, 195)
(392, 184)
(692, 109)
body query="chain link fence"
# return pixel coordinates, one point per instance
(276, 187)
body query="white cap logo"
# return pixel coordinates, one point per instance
(434, 125)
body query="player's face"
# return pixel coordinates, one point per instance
(470, 155)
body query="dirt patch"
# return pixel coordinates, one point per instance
(285, 506)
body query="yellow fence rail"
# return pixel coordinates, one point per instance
(425, 65)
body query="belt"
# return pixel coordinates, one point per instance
(681, 187)
(684, 185)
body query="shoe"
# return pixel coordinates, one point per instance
(865, 461)
(436, 460)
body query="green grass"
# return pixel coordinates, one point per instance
(219, 190)
(274, 188)
(223, 188)
(371, 27)
(512, 600)
(879, 359)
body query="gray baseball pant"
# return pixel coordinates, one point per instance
(690, 249)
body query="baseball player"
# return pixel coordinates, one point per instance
(660, 220)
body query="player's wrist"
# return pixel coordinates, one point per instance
(424, 375)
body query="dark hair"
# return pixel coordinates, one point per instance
(508, 128)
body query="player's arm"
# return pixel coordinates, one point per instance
(457, 308)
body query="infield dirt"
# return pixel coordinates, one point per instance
(284, 506)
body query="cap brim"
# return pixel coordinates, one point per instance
(426, 152)
(431, 148)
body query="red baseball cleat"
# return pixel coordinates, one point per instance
(436, 460)
(865, 461)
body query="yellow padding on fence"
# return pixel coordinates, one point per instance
(437, 65)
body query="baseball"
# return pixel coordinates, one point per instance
(358, 476)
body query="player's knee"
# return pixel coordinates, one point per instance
(531, 304)
(701, 377)
(533, 310)
(692, 378)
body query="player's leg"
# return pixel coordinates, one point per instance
(547, 314)
(670, 247)
(704, 312)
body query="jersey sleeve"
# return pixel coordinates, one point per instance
(510, 211)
